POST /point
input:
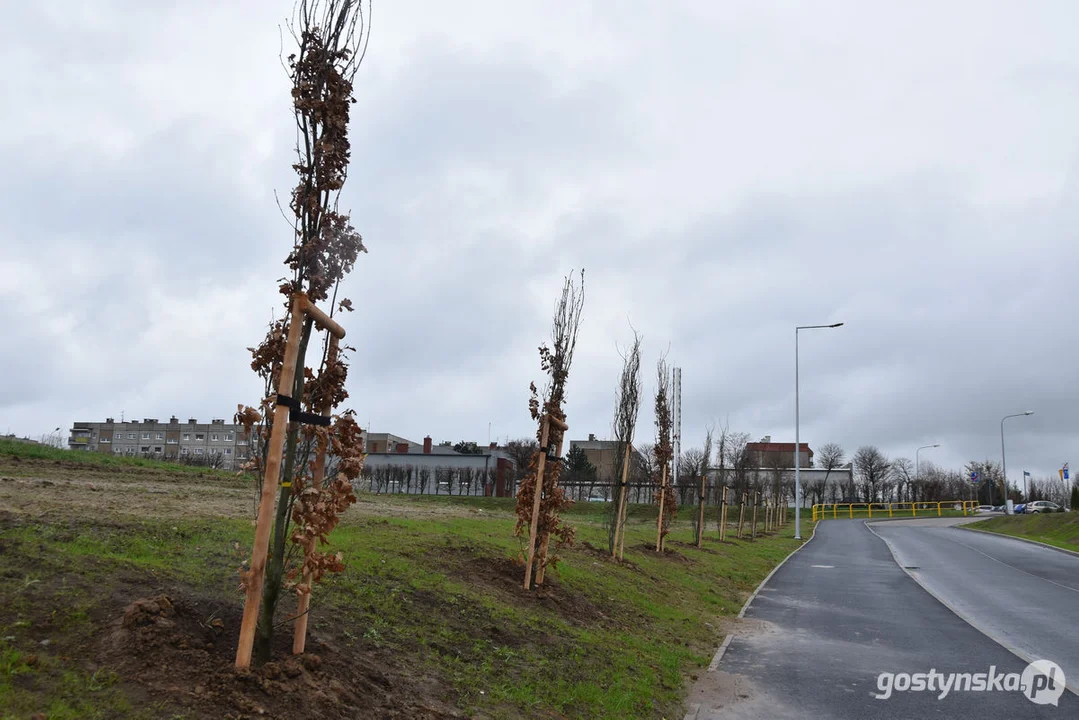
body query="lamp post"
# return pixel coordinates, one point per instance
(917, 465)
(1003, 460)
(797, 435)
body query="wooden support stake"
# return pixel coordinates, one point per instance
(753, 525)
(538, 492)
(270, 481)
(299, 635)
(700, 518)
(321, 319)
(741, 515)
(659, 520)
(723, 515)
(620, 526)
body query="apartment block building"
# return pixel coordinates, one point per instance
(603, 454)
(768, 454)
(226, 443)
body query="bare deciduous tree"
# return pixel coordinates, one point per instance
(902, 477)
(874, 471)
(829, 458)
(627, 406)
(663, 452)
(701, 475)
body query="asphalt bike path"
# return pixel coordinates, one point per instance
(834, 617)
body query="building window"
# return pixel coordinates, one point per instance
(106, 440)
(241, 441)
(157, 449)
(198, 451)
(131, 436)
(144, 448)
(187, 436)
(171, 441)
(228, 437)
(228, 451)
(200, 436)
(146, 436)
(183, 451)
(213, 437)
(159, 436)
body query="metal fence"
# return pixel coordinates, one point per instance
(462, 482)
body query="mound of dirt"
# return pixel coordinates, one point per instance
(176, 651)
(504, 577)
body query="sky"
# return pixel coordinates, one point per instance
(723, 172)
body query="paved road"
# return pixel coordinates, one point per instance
(835, 616)
(1023, 595)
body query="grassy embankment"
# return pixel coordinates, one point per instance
(429, 606)
(1059, 529)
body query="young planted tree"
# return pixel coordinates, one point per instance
(664, 496)
(331, 36)
(540, 499)
(626, 408)
(702, 473)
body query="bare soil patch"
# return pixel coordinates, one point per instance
(180, 649)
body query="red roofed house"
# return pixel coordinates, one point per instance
(768, 454)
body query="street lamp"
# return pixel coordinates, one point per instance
(917, 465)
(797, 437)
(1003, 460)
(917, 471)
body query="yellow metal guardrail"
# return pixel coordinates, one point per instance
(849, 510)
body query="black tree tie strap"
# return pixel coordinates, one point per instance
(296, 413)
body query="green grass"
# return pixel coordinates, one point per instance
(658, 609)
(607, 639)
(24, 450)
(1059, 529)
(38, 683)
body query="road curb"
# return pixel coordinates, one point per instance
(1021, 654)
(1021, 539)
(714, 665)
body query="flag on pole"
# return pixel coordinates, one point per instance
(1064, 472)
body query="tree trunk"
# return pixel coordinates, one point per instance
(275, 569)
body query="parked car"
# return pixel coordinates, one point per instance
(1043, 506)
(986, 508)
(1019, 509)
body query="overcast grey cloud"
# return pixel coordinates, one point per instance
(723, 171)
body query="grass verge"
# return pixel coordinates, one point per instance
(1058, 529)
(428, 620)
(21, 450)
